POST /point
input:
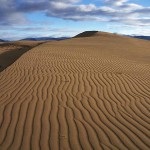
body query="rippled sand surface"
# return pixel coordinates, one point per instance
(82, 93)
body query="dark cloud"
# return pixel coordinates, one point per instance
(32, 6)
(9, 14)
(143, 11)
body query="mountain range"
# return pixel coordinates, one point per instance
(142, 37)
(2, 40)
(88, 33)
(46, 38)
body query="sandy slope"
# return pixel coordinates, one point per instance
(83, 93)
(11, 51)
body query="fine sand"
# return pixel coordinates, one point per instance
(10, 51)
(82, 93)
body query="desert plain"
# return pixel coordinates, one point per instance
(88, 92)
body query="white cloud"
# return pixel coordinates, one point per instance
(114, 10)
(116, 2)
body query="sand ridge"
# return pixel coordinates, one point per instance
(11, 51)
(89, 93)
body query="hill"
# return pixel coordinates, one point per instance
(99, 33)
(86, 34)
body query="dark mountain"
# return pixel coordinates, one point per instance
(46, 39)
(142, 37)
(2, 40)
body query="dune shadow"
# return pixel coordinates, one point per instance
(9, 57)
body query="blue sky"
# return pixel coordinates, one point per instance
(35, 18)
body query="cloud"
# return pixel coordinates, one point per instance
(9, 14)
(30, 31)
(143, 10)
(116, 2)
(32, 6)
(123, 11)
(114, 10)
(13, 11)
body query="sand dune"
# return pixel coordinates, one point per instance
(11, 51)
(82, 93)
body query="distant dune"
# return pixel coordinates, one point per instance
(87, 34)
(82, 93)
(96, 33)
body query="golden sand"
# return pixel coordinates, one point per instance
(82, 93)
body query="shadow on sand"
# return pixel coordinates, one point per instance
(9, 57)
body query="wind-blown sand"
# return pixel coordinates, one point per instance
(11, 51)
(83, 93)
